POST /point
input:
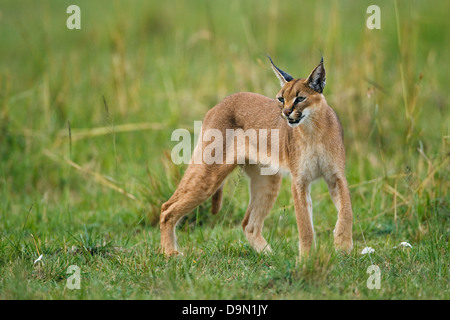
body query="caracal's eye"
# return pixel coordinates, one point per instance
(300, 99)
(281, 99)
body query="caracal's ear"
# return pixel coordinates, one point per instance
(282, 76)
(317, 79)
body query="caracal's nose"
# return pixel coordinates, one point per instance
(287, 112)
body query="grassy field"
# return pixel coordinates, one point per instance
(86, 118)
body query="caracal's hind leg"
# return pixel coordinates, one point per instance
(199, 182)
(263, 193)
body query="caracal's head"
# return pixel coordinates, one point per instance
(298, 98)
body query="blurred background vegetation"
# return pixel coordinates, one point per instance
(86, 115)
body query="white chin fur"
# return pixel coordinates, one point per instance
(293, 125)
(305, 113)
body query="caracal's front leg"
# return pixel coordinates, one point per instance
(338, 188)
(303, 213)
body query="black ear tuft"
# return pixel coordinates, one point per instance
(317, 78)
(282, 76)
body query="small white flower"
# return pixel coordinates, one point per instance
(405, 244)
(368, 250)
(38, 259)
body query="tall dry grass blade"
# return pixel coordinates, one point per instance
(395, 192)
(110, 121)
(431, 175)
(79, 134)
(23, 227)
(97, 176)
(399, 41)
(70, 139)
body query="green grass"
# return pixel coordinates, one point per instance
(90, 196)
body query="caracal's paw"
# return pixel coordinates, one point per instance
(264, 249)
(171, 253)
(342, 243)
